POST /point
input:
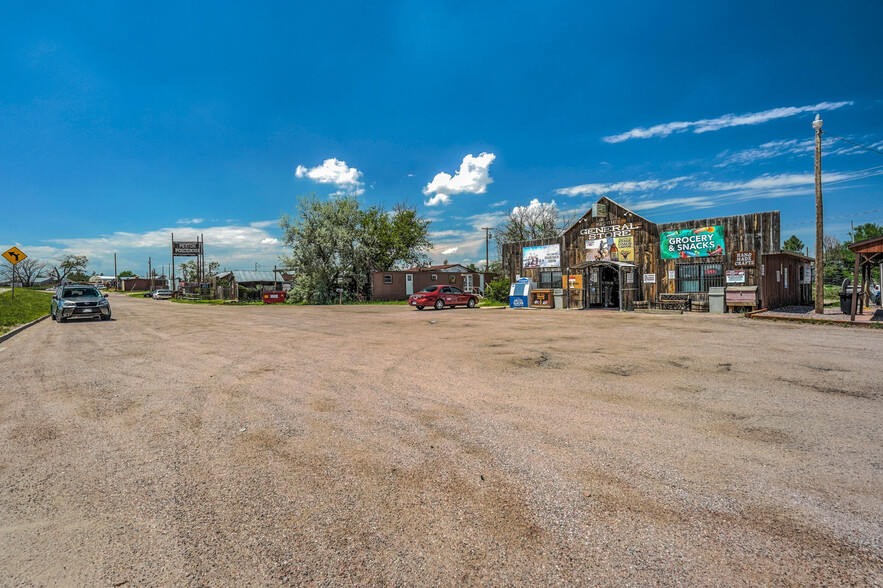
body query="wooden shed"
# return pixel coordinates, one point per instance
(613, 257)
(786, 279)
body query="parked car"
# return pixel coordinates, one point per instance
(441, 296)
(78, 301)
(162, 294)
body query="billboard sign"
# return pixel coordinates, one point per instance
(186, 248)
(610, 249)
(541, 256)
(700, 242)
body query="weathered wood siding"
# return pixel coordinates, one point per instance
(758, 232)
(513, 261)
(782, 284)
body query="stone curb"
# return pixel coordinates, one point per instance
(21, 328)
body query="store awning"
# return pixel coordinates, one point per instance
(585, 264)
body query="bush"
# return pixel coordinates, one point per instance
(249, 294)
(498, 290)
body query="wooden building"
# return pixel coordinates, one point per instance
(612, 257)
(399, 284)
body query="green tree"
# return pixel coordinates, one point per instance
(861, 233)
(793, 244)
(336, 244)
(127, 274)
(497, 290)
(71, 267)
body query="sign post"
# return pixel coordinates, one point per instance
(14, 255)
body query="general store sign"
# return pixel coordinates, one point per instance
(610, 231)
(700, 242)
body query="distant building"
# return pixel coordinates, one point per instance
(399, 284)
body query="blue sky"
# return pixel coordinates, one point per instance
(124, 122)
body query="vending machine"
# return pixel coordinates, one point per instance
(519, 292)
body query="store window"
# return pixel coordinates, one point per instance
(387, 278)
(434, 277)
(549, 280)
(699, 277)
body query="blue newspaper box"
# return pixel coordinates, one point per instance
(518, 293)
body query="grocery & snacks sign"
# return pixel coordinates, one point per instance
(701, 242)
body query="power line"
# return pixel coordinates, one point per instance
(854, 143)
(828, 218)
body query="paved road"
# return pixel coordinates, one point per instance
(195, 445)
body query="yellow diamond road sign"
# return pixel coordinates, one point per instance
(14, 255)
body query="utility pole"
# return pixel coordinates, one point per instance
(116, 278)
(150, 273)
(820, 263)
(487, 238)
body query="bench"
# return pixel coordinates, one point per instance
(680, 302)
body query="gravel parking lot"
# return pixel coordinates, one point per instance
(226, 446)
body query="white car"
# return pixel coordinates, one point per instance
(162, 294)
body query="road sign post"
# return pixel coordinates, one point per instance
(14, 255)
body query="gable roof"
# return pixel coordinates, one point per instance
(609, 201)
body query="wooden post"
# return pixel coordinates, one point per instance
(854, 288)
(820, 264)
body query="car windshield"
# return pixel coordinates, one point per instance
(430, 289)
(78, 292)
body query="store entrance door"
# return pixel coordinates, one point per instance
(603, 286)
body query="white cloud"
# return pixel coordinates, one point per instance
(438, 199)
(534, 206)
(233, 246)
(333, 171)
(688, 202)
(190, 221)
(445, 234)
(500, 203)
(622, 187)
(473, 177)
(721, 122)
(450, 250)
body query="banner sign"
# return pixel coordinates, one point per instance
(541, 256)
(610, 249)
(735, 276)
(701, 242)
(186, 248)
(743, 258)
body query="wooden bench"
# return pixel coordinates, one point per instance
(674, 302)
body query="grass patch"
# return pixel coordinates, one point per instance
(28, 305)
(488, 302)
(137, 293)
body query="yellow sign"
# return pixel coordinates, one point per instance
(575, 282)
(14, 255)
(625, 246)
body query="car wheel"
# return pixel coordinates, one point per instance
(60, 318)
(419, 308)
(471, 303)
(439, 304)
(105, 317)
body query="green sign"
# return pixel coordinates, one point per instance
(700, 242)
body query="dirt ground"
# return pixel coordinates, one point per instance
(202, 445)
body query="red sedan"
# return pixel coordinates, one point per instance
(441, 296)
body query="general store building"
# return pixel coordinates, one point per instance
(614, 258)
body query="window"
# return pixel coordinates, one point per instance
(446, 290)
(455, 290)
(434, 277)
(699, 277)
(387, 279)
(549, 280)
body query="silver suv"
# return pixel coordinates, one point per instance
(78, 301)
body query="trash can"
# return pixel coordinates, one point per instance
(846, 301)
(558, 294)
(716, 299)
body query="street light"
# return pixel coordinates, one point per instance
(820, 287)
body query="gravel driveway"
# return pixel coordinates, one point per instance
(202, 445)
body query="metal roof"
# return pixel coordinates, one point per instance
(246, 276)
